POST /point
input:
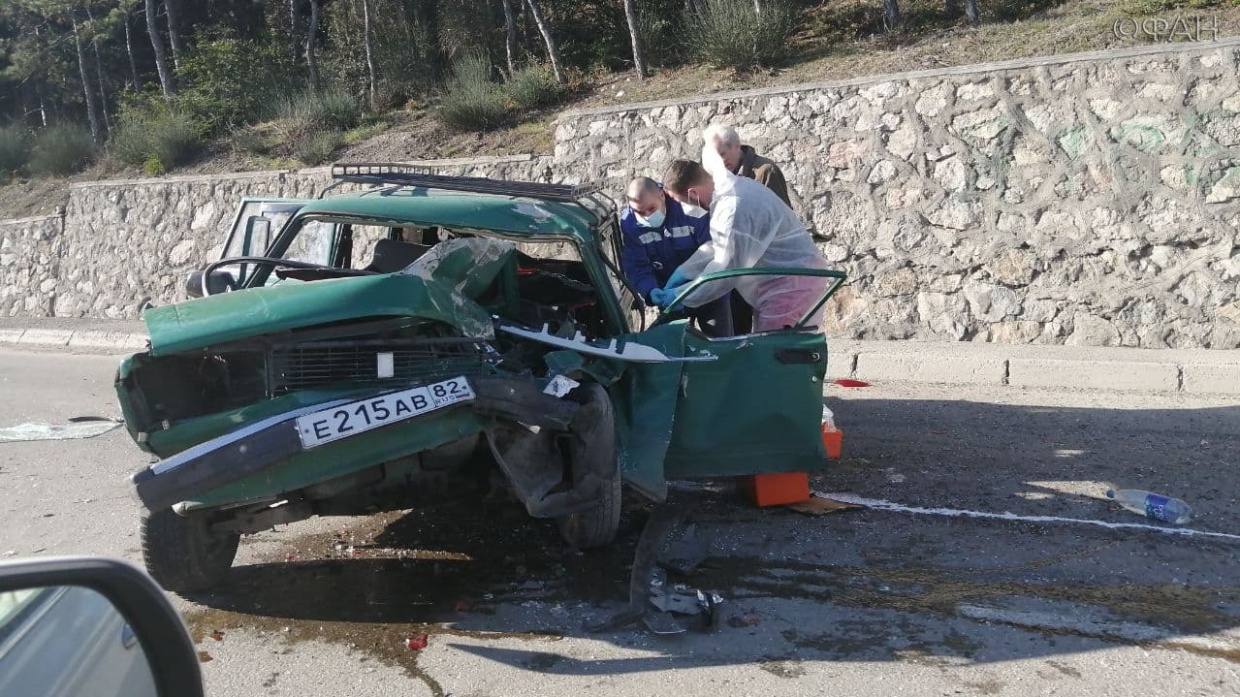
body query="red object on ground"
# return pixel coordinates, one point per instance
(777, 489)
(833, 441)
(416, 643)
(847, 382)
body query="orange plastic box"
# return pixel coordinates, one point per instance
(793, 487)
(833, 441)
(777, 489)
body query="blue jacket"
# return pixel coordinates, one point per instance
(650, 255)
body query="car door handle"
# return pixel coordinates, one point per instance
(798, 356)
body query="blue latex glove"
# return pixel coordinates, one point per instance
(677, 279)
(662, 297)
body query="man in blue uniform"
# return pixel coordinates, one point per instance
(659, 234)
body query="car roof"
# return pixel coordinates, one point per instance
(425, 206)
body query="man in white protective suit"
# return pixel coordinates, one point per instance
(750, 227)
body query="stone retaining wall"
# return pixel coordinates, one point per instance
(31, 255)
(129, 242)
(1087, 200)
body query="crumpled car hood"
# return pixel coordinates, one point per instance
(440, 286)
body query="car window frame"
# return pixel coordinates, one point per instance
(590, 252)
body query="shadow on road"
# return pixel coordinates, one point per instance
(426, 566)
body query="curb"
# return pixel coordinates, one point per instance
(1125, 376)
(121, 342)
(1202, 372)
(1198, 372)
(1210, 379)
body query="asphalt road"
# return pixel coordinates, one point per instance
(862, 602)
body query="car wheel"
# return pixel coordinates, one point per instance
(598, 526)
(182, 553)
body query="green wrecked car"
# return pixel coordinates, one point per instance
(409, 343)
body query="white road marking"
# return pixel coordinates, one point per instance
(958, 513)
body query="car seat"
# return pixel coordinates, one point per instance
(391, 256)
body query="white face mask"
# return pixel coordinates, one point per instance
(655, 220)
(694, 205)
(693, 211)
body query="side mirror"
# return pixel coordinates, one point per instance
(196, 286)
(91, 626)
(193, 284)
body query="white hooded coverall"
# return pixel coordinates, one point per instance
(751, 227)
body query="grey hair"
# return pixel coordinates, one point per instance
(721, 133)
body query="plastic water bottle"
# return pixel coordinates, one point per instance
(832, 437)
(1152, 505)
(828, 419)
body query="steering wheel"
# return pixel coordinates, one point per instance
(315, 269)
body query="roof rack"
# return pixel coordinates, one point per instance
(417, 175)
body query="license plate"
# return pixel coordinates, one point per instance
(364, 415)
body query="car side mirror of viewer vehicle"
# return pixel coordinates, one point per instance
(90, 626)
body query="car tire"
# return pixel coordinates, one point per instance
(183, 554)
(598, 526)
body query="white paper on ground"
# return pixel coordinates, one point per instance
(560, 386)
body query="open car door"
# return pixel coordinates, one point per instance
(756, 408)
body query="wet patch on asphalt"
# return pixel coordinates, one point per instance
(376, 582)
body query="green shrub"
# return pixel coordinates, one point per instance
(154, 167)
(327, 109)
(534, 87)
(472, 101)
(61, 149)
(661, 34)
(156, 141)
(227, 82)
(14, 149)
(365, 132)
(731, 34)
(317, 147)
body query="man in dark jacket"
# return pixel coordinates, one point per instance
(658, 235)
(744, 161)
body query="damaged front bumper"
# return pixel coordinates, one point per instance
(247, 460)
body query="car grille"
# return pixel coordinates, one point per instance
(310, 365)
